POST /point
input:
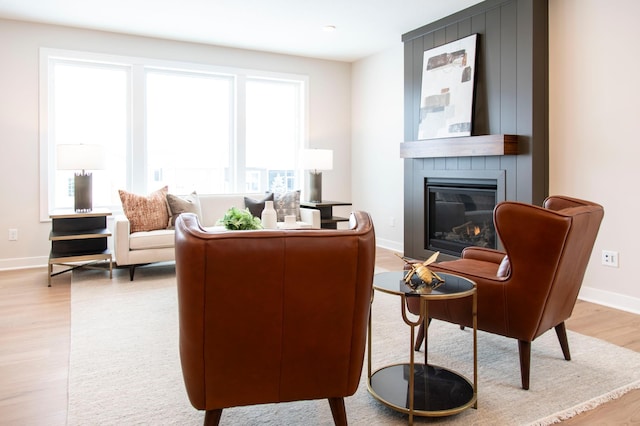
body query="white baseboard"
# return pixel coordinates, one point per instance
(588, 294)
(23, 263)
(610, 299)
(390, 245)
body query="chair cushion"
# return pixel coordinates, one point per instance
(469, 268)
(146, 212)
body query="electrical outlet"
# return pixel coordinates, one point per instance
(610, 258)
(13, 234)
(392, 221)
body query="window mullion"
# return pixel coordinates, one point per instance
(240, 152)
(137, 144)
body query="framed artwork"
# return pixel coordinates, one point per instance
(448, 79)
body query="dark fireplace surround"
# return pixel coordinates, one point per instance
(508, 149)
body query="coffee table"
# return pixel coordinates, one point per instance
(421, 389)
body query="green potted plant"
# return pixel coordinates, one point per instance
(235, 219)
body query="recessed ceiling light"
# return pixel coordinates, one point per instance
(329, 28)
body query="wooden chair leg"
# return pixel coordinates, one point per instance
(132, 270)
(525, 362)
(561, 331)
(419, 338)
(338, 411)
(212, 417)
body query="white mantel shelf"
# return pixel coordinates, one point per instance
(468, 146)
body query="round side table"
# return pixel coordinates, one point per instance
(421, 389)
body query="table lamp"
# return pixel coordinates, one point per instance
(81, 157)
(316, 160)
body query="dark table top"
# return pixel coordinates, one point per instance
(454, 286)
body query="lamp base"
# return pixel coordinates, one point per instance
(315, 187)
(82, 193)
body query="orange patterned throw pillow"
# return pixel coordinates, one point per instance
(146, 213)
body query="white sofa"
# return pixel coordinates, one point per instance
(140, 248)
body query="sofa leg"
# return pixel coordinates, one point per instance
(212, 417)
(132, 270)
(338, 411)
(524, 348)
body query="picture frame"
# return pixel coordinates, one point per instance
(447, 92)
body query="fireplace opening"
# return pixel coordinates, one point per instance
(459, 214)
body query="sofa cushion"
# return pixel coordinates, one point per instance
(183, 204)
(146, 212)
(152, 239)
(214, 206)
(256, 206)
(287, 203)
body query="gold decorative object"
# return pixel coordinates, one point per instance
(429, 279)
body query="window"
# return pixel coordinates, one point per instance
(90, 104)
(189, 136)
(188, 126)
(273, 115)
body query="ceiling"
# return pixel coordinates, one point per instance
(363, 27)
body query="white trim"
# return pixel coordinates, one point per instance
(190, 67)
(25, 263)
(45, 161)
(390, 245)
(610, 299)
(587, 294)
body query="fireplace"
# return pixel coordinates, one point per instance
(459, 214)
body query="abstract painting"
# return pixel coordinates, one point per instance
(446, 102)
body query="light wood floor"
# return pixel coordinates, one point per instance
(34, 348)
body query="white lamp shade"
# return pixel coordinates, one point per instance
(317, 159)
(80, 157)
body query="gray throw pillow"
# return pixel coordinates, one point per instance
(256, 206)
(184, 204)
(286, 204)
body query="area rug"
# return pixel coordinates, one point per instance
(125, 369)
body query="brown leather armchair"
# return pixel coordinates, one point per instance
(548, 250)
(273, 315)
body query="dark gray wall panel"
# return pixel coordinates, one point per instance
(511, 97)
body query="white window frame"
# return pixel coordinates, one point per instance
(136, 139)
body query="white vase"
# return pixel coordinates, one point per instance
(269, 216)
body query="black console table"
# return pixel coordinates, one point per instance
(327, 219)
(79, 239)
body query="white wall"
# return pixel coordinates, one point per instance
(594, 142)
(329, 115)
(594, 114)
(377, 130)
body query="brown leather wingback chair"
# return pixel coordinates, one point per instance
(273, 315)
(548, 250)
